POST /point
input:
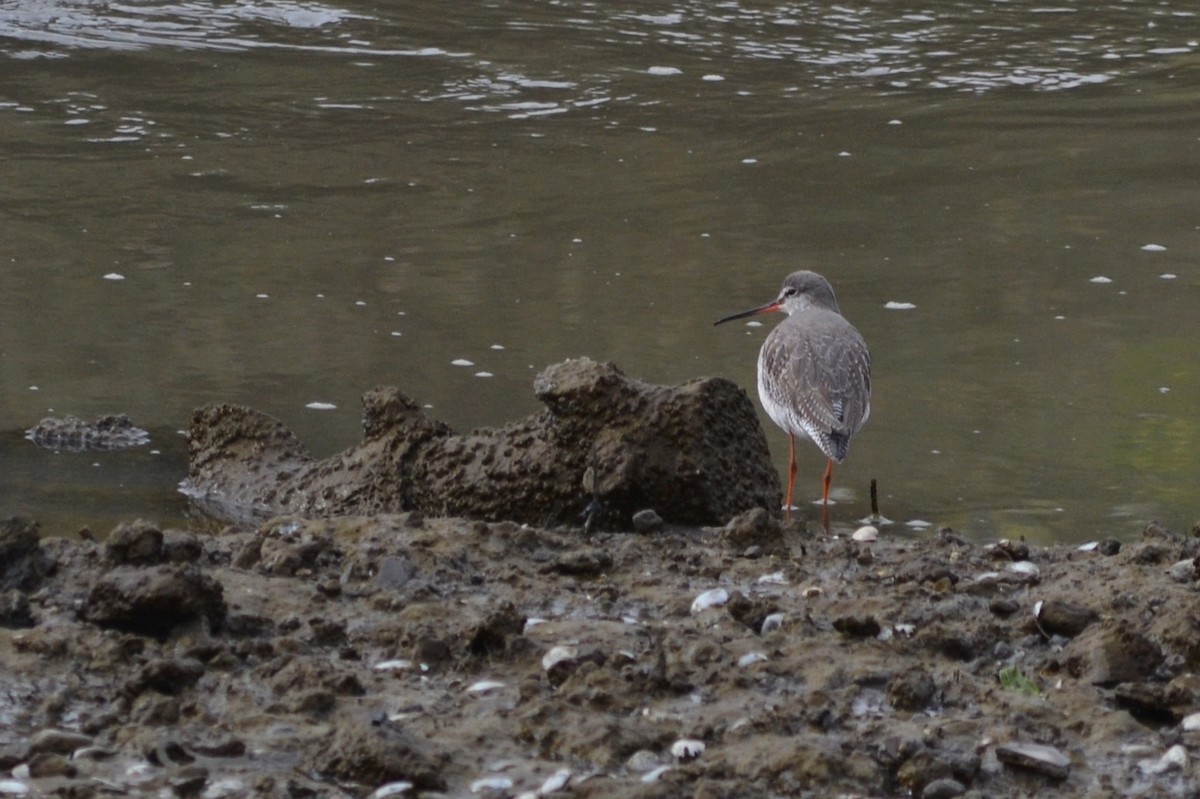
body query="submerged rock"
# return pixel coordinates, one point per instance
(694, 452)
(70, 433)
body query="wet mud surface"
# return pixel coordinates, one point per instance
(397, 655)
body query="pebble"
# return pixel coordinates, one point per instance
(556, 781)
(1035, 757)
(13, 788)
(647, 521)
(392, 789)
(1174, 759)
(1191, 722)
(1057, 617)
(643, 760)
(559, 655)
(1184, 571)
(866, 533)
(944, 788)
(59, 741)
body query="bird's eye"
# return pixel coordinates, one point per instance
(790, 291)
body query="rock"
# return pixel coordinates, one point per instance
(137, 542)
(647, 521)
(694, 452)
(1110, 653)
(943, 788)
(169, 676)
(754, 527)
(20, 566)
(58, 741)
(50, 764)
(180, 546)
(70, 433)
(912, 689)
(15, 612)
(580, 563)
(1035, 757)
(1068, 619)
(374, 752)
(151, 601)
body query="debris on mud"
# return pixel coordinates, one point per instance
(403, 655)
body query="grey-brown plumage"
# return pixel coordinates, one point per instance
(814, 371)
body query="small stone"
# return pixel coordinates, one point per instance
(944, 788)
(1174, 759)
(1068, 619)
(58, 741)
(911, 690)
(50, 764)
(138, 542)
(866, 534)
(1035, 757)
(180, 546)
(647, 521)
(1183, 571)
(15, 612)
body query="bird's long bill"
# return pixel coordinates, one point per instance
(776, 305)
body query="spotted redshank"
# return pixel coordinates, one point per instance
(814, 372)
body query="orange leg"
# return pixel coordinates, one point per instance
(787, 506)
(828, 479)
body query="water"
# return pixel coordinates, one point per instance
(306, 199)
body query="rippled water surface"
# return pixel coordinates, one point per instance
(282, 204)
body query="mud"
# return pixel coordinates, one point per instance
(402, 655)
(606, 444)
(72, 434)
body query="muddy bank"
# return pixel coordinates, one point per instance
(606, 445)
(407, 656)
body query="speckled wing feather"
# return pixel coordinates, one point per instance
(814, 379)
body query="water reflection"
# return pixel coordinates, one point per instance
(307, 199)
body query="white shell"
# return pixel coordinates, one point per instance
(557, 655)
(491, 784)
(772, 622)
(531, 622)
(774, 578)
(750, 658)
(1089, 546)
(1191, 722)
(13, 788)
(714, 598)
(1024, 567)
(393, 665)
(484, 686)
(1037, 609)
(686, 749)
(813, 590)
(556, 781)
(1174, 759)
(653, 776)
(905, 629)
(866, 533)
(392, 789)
